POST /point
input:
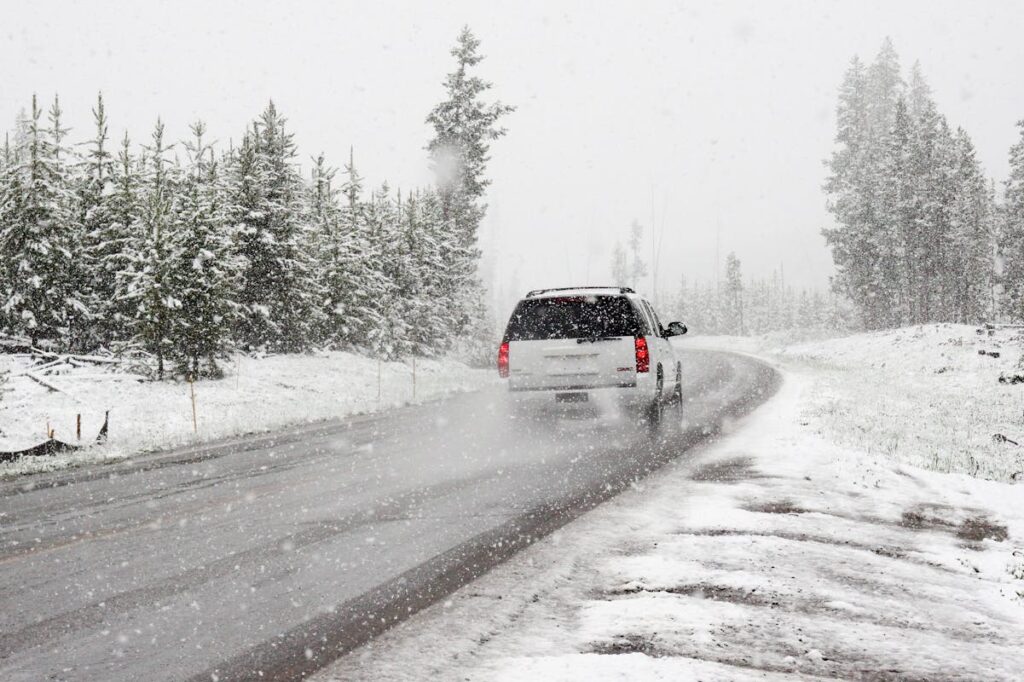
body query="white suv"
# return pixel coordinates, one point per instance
(578, 344)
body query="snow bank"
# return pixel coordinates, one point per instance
(256, 395)
(929, 396)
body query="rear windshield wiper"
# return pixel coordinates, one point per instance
(595, 339)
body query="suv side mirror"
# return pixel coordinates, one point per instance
(676, 329)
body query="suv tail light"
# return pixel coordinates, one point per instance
(643, 357)
(503, 360)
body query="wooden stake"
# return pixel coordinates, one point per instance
(192, 391)
(78, 426)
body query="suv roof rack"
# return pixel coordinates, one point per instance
(538, 292)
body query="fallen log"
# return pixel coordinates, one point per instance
(53, 387)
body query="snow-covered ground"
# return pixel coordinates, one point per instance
(258, 394)
(790, 548)
(928, 396)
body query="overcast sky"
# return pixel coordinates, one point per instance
(713, 116)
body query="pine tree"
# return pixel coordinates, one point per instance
(1012, 238)
(38, 239)
(637, 268)
(325, 223)
(620, 267)
(388, 338)
(420, 284)
(682, 307)
(969, 267)
(116, 249)
(913, 241)
(204, 270)
(464, 126)
(353, 279)
(851, 188)
(150, 276)
(103, 240)
(734, 295)
(279, 291)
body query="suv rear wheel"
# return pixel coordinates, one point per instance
(656, 410)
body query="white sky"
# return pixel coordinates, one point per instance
(721, 112)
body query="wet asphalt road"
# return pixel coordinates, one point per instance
(268, 557)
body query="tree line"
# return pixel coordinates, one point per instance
(752, 306)
(917, 222)
(189, 253)
(736, 306)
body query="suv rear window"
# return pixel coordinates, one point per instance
(572, 317)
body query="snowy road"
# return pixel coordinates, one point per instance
(274, 555)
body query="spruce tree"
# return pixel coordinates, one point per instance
(204, 269)
(422, 237)
(150, 277)
(103, 241)
(637, 268)
(1011, 242)
(117, 249)
(734, 295)
(354, 281)
(279, 291)
(620, 267)
(38, 239)
(324, 214)
(969, 266)
(464, 126)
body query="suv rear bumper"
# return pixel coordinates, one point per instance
(570, 387)
(625, 395)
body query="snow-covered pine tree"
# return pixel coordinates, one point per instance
(1011, 241)
(683, 305)
(80, 318)
(637, 267)
(464, 126)
(863, 243)
(352, 278)
(279, 288)
(895, 234)
(620, 267)
(150, 275)
(38, 239)
(205, 270)
(849, 188)
(968, 266)
(104, 241)
(118, 248)
(733, 295)
(933, 161)
(389, 339)
(324, 215)
(419, 284)
(805, 313)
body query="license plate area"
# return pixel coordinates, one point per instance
(572, 397)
